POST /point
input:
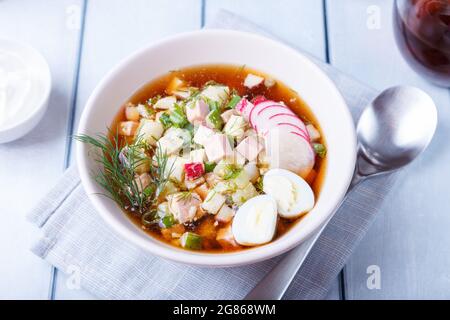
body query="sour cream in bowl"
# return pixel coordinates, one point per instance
(25, 84)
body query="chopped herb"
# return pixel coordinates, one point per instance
(209, 166)
(178, 117)
(233, 101)
(148, 219)
(153, 100)
(259, 185)
(320, 149)
(231, 172)
(213, 105)
(215, 119)
(165, 120)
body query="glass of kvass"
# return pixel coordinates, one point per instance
(422, 29)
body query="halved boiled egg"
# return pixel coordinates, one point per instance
(293, 195)
(255, 221)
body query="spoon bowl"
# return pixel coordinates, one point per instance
(394, 129)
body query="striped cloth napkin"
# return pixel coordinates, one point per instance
(75, 238)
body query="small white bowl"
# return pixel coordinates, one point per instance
(38, 89)
(238, 48)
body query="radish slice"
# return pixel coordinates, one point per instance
(288, 149)
(258, 99)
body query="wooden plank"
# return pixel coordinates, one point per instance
(113, 30)
(31, 165)
(299, 23)
(407, 241)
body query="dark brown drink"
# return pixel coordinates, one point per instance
(422, 30)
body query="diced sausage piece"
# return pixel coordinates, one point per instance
(203, 134)
(252, 81)
(226, 239)
(213, 202)
(218, 147)
(165, 103)
(314, 134)
(194, 170)
(225, 214)
(197, 111)
(184, 207)
(250, 147)
(128, 128)
(244, 107)
(131, 113)
(202, 190)
(143, 181)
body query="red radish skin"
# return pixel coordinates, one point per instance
(258, 100)
(194, 170)
(265, 124)
(271, 107)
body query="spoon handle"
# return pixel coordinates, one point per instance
(277, 281)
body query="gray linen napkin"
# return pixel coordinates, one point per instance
(74, 237)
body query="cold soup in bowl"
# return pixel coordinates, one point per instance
(215, 158)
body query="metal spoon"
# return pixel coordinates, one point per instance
(392, 131)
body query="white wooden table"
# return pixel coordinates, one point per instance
(83, 39)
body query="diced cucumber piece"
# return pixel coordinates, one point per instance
(192, 241)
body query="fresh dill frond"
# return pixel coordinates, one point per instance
(119, 176)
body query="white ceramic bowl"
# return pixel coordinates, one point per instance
(230, 47)
(36, 94)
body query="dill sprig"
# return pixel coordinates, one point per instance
(119, 176)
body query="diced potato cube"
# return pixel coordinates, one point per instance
(218, 147)
(224, 187)
(225, 214)
(252, 81)
(191, 184)
(252, 171)
(227, 115)
(131, 113)
(128, 128)
(237, 159)
(216, 93)
(198, 155)
(165, 103)
(169, 188)
(143, 111)
(211, 179)
(170, 145)
(242, 180)
(235, 127)
(150, 131)
(202, 191)
(242, 195)
(314, 134)
(175, 166)
(213, 202)
(174, 85)
(203, 134)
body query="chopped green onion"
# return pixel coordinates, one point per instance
(190, 240)
(259, 185)
(165, 120)
(209, 166)
(231, 172)
(320, 149)
(233, 101)
(215, 119)
(167, 221)
(178, 117)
